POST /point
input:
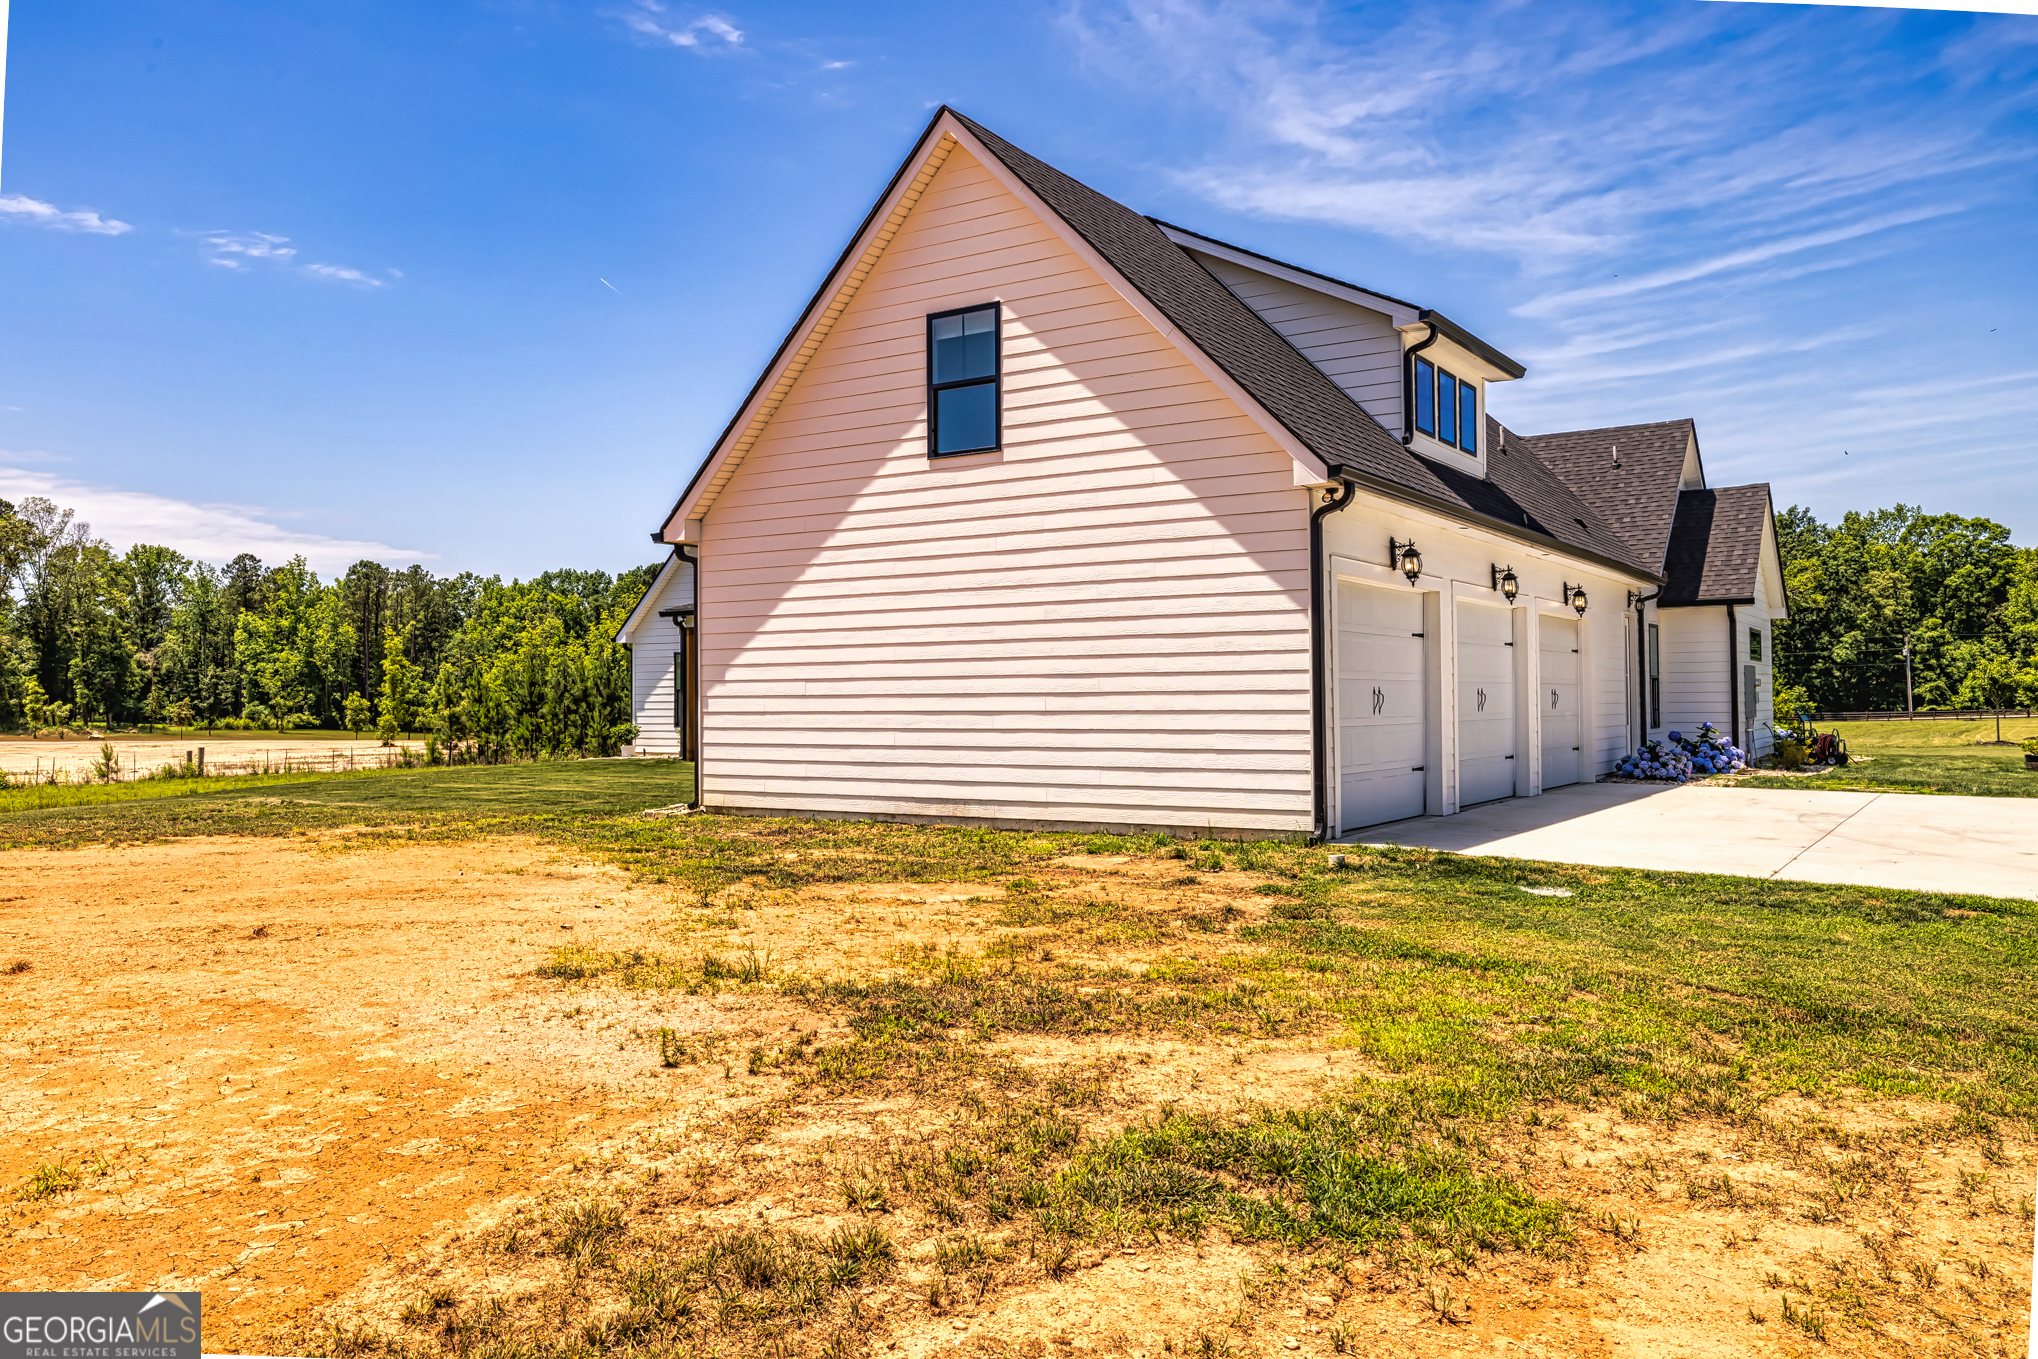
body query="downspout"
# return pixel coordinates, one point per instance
(1408, 384)
(1733, 679)
(1318, 704)
(693, 678)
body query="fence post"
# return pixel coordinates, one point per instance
(201, 762)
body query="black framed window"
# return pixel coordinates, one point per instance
(963, 369)
(1446, 406)
(1655, 677)
(1754, 644)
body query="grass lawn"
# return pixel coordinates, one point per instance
(1926, 757)
(57, 814)
(1487, 1002)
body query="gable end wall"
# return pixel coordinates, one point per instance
(1104, 624)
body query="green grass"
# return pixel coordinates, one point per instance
(1925, 757)
(451, 802)
(35, 797)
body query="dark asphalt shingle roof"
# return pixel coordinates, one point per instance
(1522, 491)
(1639, 497)
(1715, 554)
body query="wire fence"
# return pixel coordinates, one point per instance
(1927, 715)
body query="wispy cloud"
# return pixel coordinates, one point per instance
(231, 251)
(705, 33)
(237, 250)
(211, 532)
(341, 274)
(16, 207)
(1717, 211)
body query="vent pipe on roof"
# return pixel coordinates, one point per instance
(1616, 455)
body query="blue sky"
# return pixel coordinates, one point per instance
(474, 283)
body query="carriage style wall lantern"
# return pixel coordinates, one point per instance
(1505, 581)
(1404, 556)
(1575, 596)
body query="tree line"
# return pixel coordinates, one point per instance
(1958, 588)
(494, 671)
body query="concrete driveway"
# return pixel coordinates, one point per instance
(1984, 845)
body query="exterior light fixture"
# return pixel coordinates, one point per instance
(1505, 581)
(1405, 557)
(1574, 595)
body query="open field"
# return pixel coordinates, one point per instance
(437, 1062)
(1924, 757)
(239, 752)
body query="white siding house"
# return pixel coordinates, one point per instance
(1048, 514)
(657, 632)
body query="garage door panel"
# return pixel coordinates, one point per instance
(1558, 701)
(1382, 704)
(1486, 704)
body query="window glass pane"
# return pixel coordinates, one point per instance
(1447, 407)
(1425, 396)
(966, 346)
(1754, 644)
(966, 418)
(1655, 652)
(1468, 417)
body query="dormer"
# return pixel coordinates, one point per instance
(1398, 361)
(1446, 370)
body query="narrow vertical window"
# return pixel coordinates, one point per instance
(1447, 407)
(1425, 396)
(1655, 678)
(1754, 644)
(679, 695)
(962, 380)
(1468, 417)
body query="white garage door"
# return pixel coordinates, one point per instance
(1382, 704)
(1485, 704)
(1559, 701)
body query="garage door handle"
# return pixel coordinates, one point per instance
(1510, 757)
(1417, 769)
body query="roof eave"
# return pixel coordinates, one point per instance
(1471, 343)
(830, 282)
(1519, 533)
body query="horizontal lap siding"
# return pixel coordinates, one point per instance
(652, 646)
(1105, 623)
(1695, 668)
(1355, 347)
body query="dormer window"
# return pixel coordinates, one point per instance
(1446, 407)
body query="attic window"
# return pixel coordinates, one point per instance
(963, 362)
(1446, 407)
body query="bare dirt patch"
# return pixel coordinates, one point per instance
(271, 1066)
(323, 1083)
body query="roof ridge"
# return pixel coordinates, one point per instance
(1295, 392)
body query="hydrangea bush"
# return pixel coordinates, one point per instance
(1683, 758)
